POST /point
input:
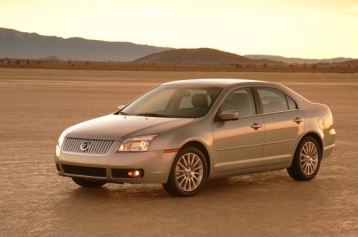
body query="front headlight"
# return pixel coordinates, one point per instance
(136, 143)
(62, 137)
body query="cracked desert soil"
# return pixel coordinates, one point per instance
(37, 105)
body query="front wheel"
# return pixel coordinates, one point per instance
(87, 184)
(188, 173)
(307, 160)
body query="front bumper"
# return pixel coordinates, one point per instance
(156, 165)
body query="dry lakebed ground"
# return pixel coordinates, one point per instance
(37, 105)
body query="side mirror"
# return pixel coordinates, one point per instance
(229, 115)
(121, 107)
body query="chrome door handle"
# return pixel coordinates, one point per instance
(298, 120)
(256, 126)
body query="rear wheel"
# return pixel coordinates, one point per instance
(307, 160)
(87, 184)
(188, 173)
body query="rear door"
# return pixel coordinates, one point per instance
(284, 123)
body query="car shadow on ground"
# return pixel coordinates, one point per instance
(155, 191)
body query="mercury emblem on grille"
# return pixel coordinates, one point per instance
(85, 145)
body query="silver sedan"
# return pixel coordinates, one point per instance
(182, 133)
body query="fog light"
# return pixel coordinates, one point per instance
(58, 167)
(134, 173)
(128, 173)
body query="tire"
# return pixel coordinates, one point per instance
(87, 184)
(187, 174)
(307, 160)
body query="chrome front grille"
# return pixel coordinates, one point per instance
(86, 146)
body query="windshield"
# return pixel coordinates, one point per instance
(166, 101)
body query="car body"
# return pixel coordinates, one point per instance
(182, 133)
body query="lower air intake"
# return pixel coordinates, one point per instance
(87, 171)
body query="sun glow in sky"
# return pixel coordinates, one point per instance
(303, 28)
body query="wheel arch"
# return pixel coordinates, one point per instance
(203, 149)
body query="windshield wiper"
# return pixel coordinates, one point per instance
(122, 113)
(153, 115)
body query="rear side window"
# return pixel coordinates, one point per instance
(272, 100)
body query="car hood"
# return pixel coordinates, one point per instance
(118, 127)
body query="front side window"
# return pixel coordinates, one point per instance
(274, 100)
(240, 100)
(168, 101)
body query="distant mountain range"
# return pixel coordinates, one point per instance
(16, 44)
(351, 62)
(21, 45)
(298, 60)
(200, 56)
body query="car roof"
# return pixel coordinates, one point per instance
(217, 82)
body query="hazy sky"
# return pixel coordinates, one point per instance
(301, 28)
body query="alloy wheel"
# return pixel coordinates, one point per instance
(189, 172)
(309, 158)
